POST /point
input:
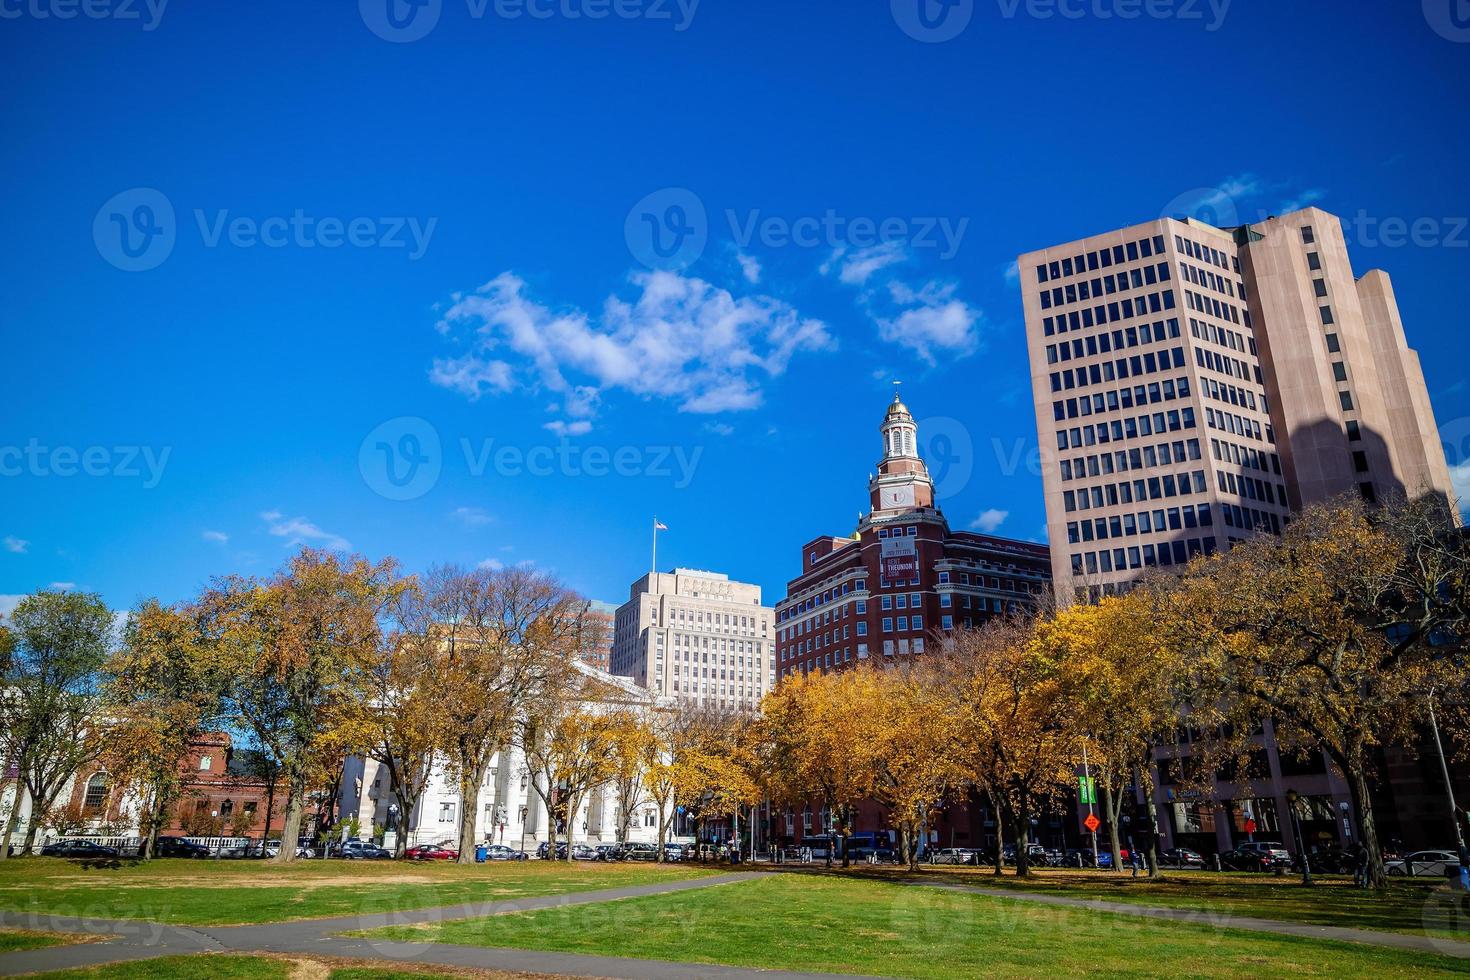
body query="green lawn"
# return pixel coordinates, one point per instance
(856, 925)
(233, 967)
(12, 940)
(240, 892)
(1415, 907)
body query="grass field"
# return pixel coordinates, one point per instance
(861, 925)
(229, 967)
(240, 892)
(1414, 907)
(14, 940)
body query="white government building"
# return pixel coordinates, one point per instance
(696, 636)
(508, 810)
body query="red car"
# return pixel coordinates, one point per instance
(431, 852)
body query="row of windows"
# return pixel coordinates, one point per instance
(832, 594)
(1108, 285)
(1205, 253)
(1111, 401)
(1210, 280)
(1143, 522)
(1105, 464)
(1202, 330)
(1210, 306)
(1250, 519)
(1101, 259)
(1231, 395)
(1108, 341)
(1088, 316)
(1130, 428)
(1253, 459)
(1124, 367)
(1141, 556)
(1231, 367)
(1126, 492)
(1237, 425)
(1251, 488)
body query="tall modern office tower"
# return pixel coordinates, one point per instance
(696, 636)
(1195, 384)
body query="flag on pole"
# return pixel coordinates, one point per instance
(659, 525)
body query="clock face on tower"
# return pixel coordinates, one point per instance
(899, 496)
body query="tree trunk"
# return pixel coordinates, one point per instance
(910, 850)
(1367, 826)
(270, 806)
(1153, 837)
(1023, 840)
(663, 826)
(291, 828)
(12, 819)
(1113, 808)
(469, 801)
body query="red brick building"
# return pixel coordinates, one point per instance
(898, 583)
(903, 577)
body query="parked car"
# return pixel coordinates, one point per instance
(431, 852)
(1256, 856)
(178, 847)
(1181, 857)
(78, 849)
(304, 849)
(360, 850)
(499, 852)
(674, 852)
(584, 852)
(1429, 864)
(543, 851)
(640, 852)
(954, 855)
(609, 852)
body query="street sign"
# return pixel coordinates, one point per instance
(1087, 790)
(1250, 826)
(1092, 823)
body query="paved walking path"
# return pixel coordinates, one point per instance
(1224, 919)
(132, 940)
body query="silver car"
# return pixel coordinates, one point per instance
(1431, 864)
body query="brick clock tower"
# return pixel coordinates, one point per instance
(903, 578)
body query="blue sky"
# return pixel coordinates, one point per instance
(341, 249)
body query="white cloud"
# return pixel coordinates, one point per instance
(16, 546)
(8, 604)
(1460, 479)
(566, 429)
(472, 516)
(934, 320)
(989, 520)
(1013, 272)
(719, 428)
(300, 531)
(856, 268)
(750, 267)
(1307, 197)
(681, 338)
(217, 537)
(492, 564)
(62, 586)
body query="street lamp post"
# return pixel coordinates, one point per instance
(1449, 789)
(1301, 846)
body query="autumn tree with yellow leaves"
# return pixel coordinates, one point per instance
(1335, 631)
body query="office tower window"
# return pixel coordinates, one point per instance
(1354, 431)
(1332, 343)
(1319, 286)
(1360, 461)
(1308, 235)
(1346, 398)
(1314, 261)
(1326, 312)
(1339, 371)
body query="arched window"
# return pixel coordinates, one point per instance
(96, 797)
(908, 439)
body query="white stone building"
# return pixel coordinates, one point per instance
(508, 810)
(696, 636)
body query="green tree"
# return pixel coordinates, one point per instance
(49, 724)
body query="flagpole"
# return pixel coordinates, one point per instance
(653, 564)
